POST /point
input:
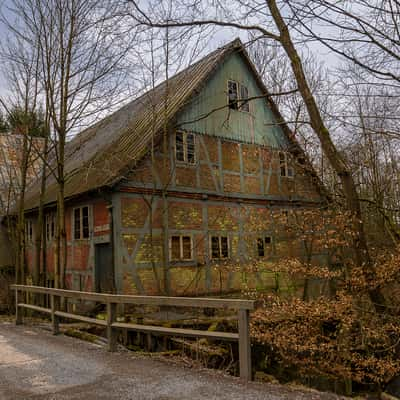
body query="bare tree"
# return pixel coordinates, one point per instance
(364, 32)
(20, 65)
(80, 51)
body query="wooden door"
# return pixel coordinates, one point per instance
(104, 271)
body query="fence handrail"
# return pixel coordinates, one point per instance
(243, 308)
(198, 302)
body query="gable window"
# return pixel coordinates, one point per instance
(29, 231)
(236, 102)
(219, 247)
(284, 165)
(244, 95)
(50, 226)
(233, 95)
(81, 222)
(263, 245)
(181, 248)
(185, 147)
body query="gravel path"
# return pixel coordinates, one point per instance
(37, 365)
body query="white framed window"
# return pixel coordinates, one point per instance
(81, 222)
(285, 168)
(264, 245)
(50, 227)
(185, 147)
(28, 231)
(219, 246)
(237, 96)
(180, 248)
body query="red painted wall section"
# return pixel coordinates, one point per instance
(101, 218)
(30, 257)
(80, 252)
(78, 256)
(68, 223)
(50, 258)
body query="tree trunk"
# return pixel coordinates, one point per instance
(20, 268)
(40, 237)
(362, 256)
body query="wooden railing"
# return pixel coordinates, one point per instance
(242, 307)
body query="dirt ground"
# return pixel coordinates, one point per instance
(34, 364)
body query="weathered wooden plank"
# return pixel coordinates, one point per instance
(111, 332)
(112, 300)
(244, 345)
(35, 308)
(235, 304)
(18, 310)
(55, 306)
(177, 331)
(81, 318)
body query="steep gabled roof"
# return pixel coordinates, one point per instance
(99, 156)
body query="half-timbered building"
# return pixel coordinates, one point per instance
(182, 190)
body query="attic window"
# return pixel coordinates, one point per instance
(236, 102)
(185, 147)
(244, 95)
(233, 95)
(284, 165)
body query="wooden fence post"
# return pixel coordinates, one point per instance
(244, 345)
(18, 311)
(55, 306)
(111, 332)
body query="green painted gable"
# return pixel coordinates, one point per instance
(259, 126)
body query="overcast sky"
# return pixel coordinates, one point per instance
(221, 36)
(3, 35)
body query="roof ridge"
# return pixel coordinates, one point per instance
(234, 43)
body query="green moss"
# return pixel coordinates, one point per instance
(214, 327)
(133, 347)
(88, 337)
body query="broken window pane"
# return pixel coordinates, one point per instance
(81, 223)
(282, 163)
(77, 223)
(50, 226)
(224, 247)
(53, 226)
(179, 147)
(29, 231)
(215, 247)
(186, 248)
(260, 247)
(285, 168)
(175, 248)
(85, 222)
(233, 95)
(190, 148)
(244, 94)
